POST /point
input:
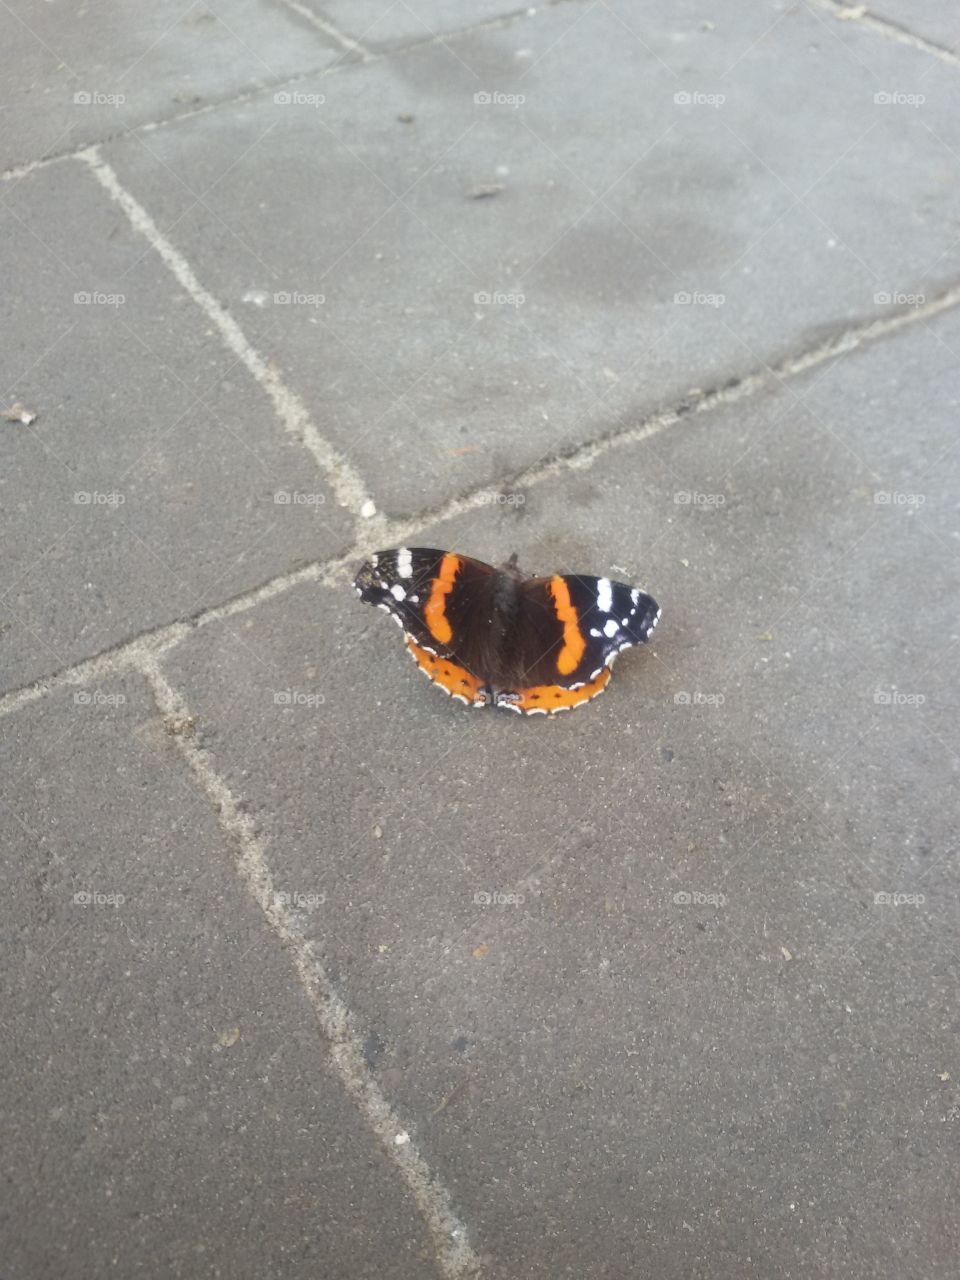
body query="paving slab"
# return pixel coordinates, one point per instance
(705, 1030)
(168, 1110)
(934, 20)
(519, 273)
(75, 74)
(385, 24)
(153, 481)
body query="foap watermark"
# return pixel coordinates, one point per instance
(897, 299)
(295, 298)
(694, 98)
(895, 98)
(501, 499)
(299, 901)
(894, 498)
(494, 98)
(297, 698)
(294, 498)
(894, 698)
(496, 899)
(94, 98)
(94, 498)
(883, 899)
(94, 898)
(697, 299)
(297, 98)
(693, 898)
(97, 698)
(484, 299)
(86, 298)
(693, 498)
(697, 698)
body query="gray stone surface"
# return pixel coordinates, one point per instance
(616, 199)
(757, 1083)
(168, 1110)
(707, 1028)
(145, 489)
(934, 20)
(75, 73)
(380, 24)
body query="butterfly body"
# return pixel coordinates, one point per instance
(492, 636)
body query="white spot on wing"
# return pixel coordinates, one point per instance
(610, 628)
(404, 562)
(398, 592)
(604, 595)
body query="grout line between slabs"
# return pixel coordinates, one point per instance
(582, 456)
(379, 532)
(455, 1255)
(890, 30)
(835, 8)
(314, 19)
(345, 481)
(249, 95)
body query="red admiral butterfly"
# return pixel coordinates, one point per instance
(488, 635)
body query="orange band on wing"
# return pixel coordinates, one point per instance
(456, 680)
(568, 659)
(554, 697)
(435, 610)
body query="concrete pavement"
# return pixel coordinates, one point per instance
(663, 292)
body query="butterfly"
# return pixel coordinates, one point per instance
(490, 636)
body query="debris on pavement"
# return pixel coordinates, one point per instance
(182, 726)
(457, 1093)
(17, 413)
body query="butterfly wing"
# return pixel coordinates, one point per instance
(574, 626)
(438, 598)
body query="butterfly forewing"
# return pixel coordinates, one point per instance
(599, 617)
(437, 597)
